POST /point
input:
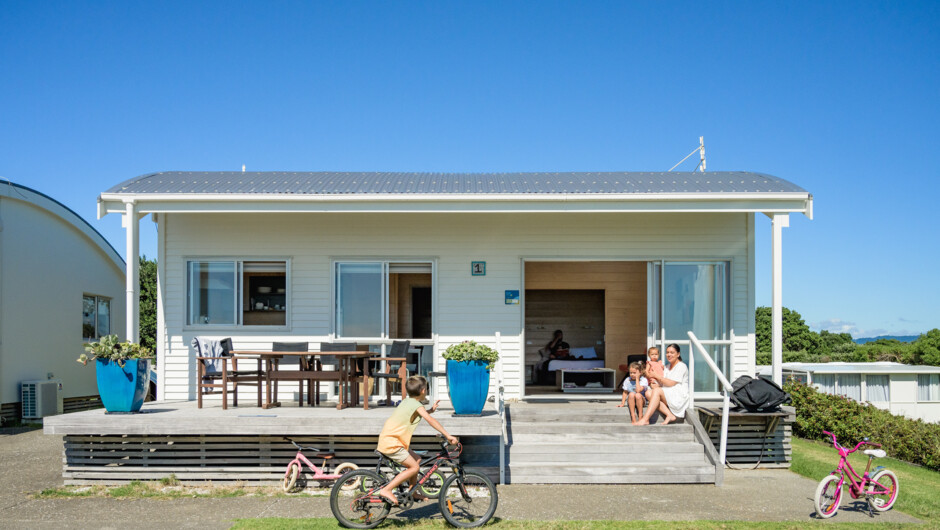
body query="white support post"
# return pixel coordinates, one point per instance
(132, 225)
(779, 222)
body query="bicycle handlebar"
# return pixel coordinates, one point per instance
(863, 442)
(299, 447)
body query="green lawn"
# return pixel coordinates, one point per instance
(918, 495)
(297, 524)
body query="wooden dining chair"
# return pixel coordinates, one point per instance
(397, 356)
(216, 372)
(326, 367)
(300, 364)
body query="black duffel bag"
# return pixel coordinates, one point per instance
(758, 395)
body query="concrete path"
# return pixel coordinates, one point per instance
(32, 461)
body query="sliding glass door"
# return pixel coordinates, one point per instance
(360, 299)
(692, 296)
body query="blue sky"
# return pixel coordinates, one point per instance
(839, 97)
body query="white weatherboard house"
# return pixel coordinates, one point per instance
(618, 261)
(61, 284)
(912, 391)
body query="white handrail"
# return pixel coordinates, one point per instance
(726, 387)
(501, 410)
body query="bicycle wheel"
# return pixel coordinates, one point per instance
(358, 506)
(432, 485)
(344, 468)
(468, 500)
(828, 495)
(885, 492)
(290, 479)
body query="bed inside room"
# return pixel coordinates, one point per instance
(579, 313)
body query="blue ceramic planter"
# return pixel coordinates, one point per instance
(123, 388)
(468, 383)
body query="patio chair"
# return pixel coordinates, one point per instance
(322, 362)
(300, 364)
(625, 368)
(214, 375)
(397, 354)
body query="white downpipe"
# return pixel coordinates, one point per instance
(133, 269)
(500, 409)
(726, 386)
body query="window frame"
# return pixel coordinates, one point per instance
(385, 262)
(98, 299)
(239, 262)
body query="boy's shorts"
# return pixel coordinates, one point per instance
(398, 456)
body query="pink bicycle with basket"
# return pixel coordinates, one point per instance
(879, 486)
(295, 466)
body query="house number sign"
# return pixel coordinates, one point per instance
(478, 268)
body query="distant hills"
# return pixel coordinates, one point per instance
(902, 338)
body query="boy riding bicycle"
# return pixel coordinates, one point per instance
(395, 438)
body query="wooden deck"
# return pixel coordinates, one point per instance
(244, 444)
(183, 418)
(554, 441)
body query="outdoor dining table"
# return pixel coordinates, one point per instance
(348, 393)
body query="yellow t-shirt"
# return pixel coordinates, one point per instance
(396, 434)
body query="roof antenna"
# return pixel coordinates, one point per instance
(701, 150)
(243, 167)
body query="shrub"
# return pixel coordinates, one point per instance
(110, 348)
(913, 441)
(469, 350)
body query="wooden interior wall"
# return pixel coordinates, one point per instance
(399, 293)
(578, 313)
(624, 284)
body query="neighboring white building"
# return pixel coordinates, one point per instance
(620, 261)
(912, 391)
(61, 284)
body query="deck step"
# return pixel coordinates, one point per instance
(594, 459)
(644, 450)
(529, 473)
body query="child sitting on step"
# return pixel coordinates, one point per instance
(395, 439)
(654, 367)
(633, 388)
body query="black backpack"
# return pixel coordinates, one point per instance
(758, 395)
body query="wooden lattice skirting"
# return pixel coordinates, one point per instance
(257, 460)
(747, 443)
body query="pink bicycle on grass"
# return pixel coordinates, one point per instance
(879, 486)
(295, 466)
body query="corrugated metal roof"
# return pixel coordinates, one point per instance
(371, 183)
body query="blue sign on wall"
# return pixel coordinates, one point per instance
(512, 297)
(478, 268)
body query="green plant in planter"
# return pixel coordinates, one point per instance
(112, 349)
(469, 350)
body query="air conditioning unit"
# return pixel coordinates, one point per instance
(41, 398)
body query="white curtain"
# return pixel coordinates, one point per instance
(825, 383)
(928, 387)
(877, 387)
(850, 386)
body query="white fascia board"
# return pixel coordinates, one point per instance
(730, 202)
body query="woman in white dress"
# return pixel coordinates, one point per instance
(671, 397)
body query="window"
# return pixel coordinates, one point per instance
(230, 293)
(96, 317)
(825, 383)
(694, 296)
(928, 387)
(382, 299)
(878, 388)
(849, 385)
